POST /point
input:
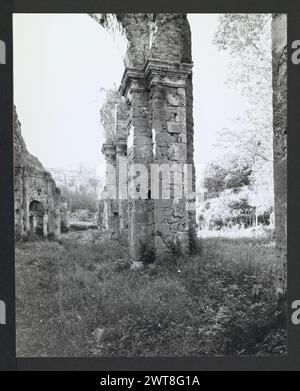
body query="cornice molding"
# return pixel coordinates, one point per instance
(155, 72)
(167, 73)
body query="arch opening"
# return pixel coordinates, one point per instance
(36, 217)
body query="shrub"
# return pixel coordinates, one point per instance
(194, 242)
(82, 215)
(51, 236)
(64, 228)
(32, 237)
(18, 237)
(147, 254)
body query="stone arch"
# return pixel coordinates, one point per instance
(157, 82)
(157, 87)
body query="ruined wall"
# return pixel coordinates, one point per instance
(279, 48)
(113, 205)
(137, 29)
(157, 88)
(122, 112)
(39, 206)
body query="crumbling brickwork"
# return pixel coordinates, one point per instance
(153, 132)
(158, 129)
(279, 43)
(39, 206)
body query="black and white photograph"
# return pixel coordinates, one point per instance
(150, 184)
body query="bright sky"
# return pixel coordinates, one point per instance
(61, 61)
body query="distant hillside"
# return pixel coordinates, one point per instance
(80, 187)
(84, 179)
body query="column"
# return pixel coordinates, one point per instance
(122, 115)
(168, 83)
(18, 199)
(190, 160)
(34, 223)
(279, 51)
(25, 202)
(122, 183)
(45, 225)
(139, 152)
(109, 195)
(65, 217)
(57, 220)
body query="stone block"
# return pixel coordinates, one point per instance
(174, 127)
(174, 99)
(177, 152)
(163, 229)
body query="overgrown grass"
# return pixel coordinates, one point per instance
(230, 300)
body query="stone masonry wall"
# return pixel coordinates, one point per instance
(279, 42)
(39, 206)
(157, 88)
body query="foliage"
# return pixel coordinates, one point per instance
(235, 207)
(229, 208)
(82, 226)
(218, 178)
(232, 198)
(107, 112)
(82, 215)
(80, 199)
(231, 300)
(109, 21)
(195, 246)
(147, 253)
(247, 38)
(236, 32)
(30, 237)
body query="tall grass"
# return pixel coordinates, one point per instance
(229, 300)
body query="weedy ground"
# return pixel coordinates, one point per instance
(229, 299)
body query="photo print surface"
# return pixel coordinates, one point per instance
(150, 184)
